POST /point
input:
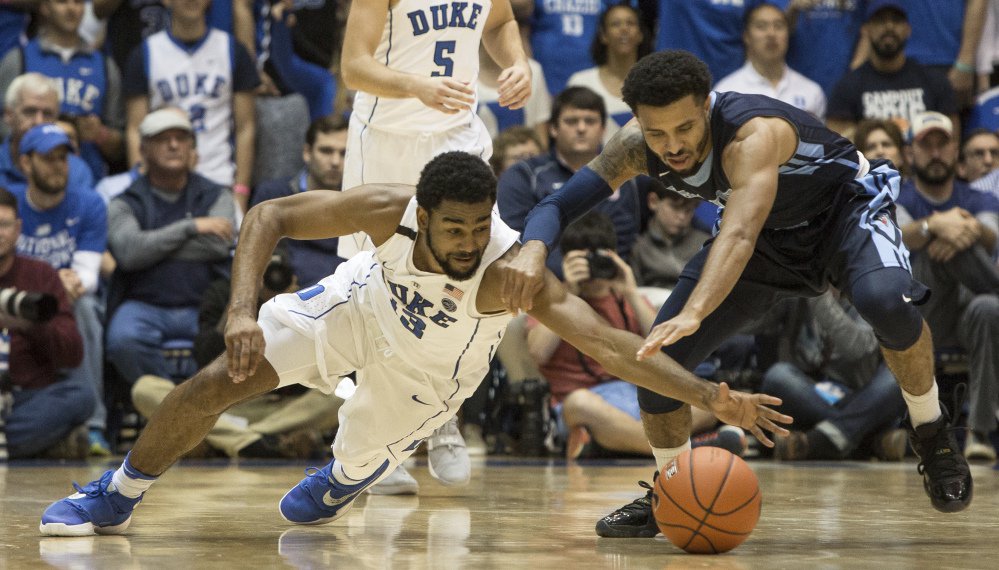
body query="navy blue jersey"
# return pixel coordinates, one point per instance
(807, 183)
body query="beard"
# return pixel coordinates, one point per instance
(48, 188)
(701, 145)
(450, 270)
(935, 172)
(887, 51)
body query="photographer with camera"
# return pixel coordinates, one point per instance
(590, 404)
(287, 423)
(47, 415)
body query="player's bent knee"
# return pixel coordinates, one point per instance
(653, 403)
(882, 298)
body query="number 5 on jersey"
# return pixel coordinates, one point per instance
(442, 57)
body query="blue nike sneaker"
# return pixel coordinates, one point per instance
(319, 499)
(94, 509)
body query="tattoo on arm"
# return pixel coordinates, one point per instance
(624, 156)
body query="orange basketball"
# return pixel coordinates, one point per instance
(707, 501)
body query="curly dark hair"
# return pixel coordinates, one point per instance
(598, 49)
(664, 77)
(456, 176)
(593, 230)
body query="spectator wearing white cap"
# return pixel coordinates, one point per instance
(951, 231)
(170, 234)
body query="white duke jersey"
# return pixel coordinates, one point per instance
(432, 39)
(429, 319)
(198, 80)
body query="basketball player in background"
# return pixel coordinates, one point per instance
(419, 319)
(803, 209)
(415, 65)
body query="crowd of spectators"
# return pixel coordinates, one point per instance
(136, 134)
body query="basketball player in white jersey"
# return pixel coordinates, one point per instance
(415, 66)
(418, 319)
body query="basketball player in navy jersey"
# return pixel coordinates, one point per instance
(803, 210)
(419, 319)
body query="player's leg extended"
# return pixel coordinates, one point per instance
(908, 350)
(179, 424)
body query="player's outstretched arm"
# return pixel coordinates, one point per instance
(575, 321)
(621, 160)
(373, 209)
(751, 162)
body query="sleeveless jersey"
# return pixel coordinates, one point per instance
(432, 39)
(429, 319)
(83, 84)
(806, 184)
(198, 80)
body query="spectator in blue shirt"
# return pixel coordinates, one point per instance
(66, 226)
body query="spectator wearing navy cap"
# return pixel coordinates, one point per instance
(65, 225)
(888, 85)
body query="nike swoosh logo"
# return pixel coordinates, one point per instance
(419, 401)
(329, 501)
(906, 299)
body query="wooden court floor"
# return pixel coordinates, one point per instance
(514, 514)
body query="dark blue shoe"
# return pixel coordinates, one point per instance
(319, 499)
(95, 508)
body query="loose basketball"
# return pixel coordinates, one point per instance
(707, 501)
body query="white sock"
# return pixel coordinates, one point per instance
(666, 454)
(923, 409)
(129, 482)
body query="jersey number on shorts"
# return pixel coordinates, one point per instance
(442, 57)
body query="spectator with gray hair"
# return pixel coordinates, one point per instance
(33, 99)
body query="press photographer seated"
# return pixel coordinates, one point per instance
(47, 414)
(590, 404)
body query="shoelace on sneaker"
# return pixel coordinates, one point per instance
(95, 488)
(640, 504)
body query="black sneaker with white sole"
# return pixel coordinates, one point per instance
(634, 520)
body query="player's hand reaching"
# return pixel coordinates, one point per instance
(244, 346)
(445, 94)
(749, 412)
(668, 332)
(514, 86)
(523, 277)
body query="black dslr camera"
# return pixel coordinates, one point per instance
(28, 305)
(602, 266)
(279, 274)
